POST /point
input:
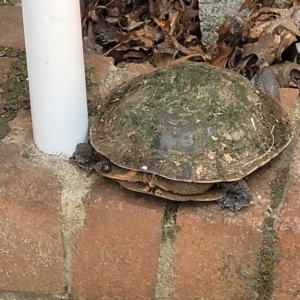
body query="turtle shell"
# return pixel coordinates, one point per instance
(191, 122)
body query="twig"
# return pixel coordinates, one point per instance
(270, 148)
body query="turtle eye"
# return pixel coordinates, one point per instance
(106, 167)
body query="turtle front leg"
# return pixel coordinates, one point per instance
(238, 195)
(85, 157)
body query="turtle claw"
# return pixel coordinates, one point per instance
(238, 195)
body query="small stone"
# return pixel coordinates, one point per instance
(212, 14)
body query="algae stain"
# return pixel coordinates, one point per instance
(169, 226)
(269, 252)
(164, 280)
(94, 98)
(6, 3)
(14, 93)
(268, 258)
(14, 89)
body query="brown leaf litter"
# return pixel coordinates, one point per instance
(160, 32)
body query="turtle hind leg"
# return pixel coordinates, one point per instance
(238, 195)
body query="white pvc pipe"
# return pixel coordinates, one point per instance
(56, 74)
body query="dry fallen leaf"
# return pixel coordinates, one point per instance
(161, 32)
(287, 74)
(223, 53)
(132, 30)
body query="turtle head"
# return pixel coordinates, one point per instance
(110, 170)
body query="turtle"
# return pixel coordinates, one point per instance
(187, 132)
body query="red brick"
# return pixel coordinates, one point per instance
(11, 27)
(288, 98)
(99, 66)
(287, 271)
(117, 250)
(22, 121)
(134, 69)
(287, 225)
(105, 76)
(31, 251)
(216, 250)
(288, 218)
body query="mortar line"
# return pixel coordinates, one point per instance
(75, 186)
(164, 278)
(68, 250)
(24, 295)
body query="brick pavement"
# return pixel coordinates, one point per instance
(65, 236)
